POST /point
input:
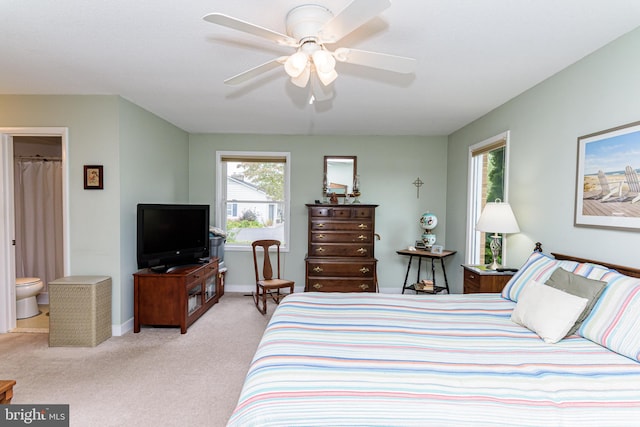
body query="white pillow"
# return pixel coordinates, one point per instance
(547, 311)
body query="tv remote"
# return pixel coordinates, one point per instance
(503, 269)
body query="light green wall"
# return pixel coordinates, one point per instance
(144, 158)
(154, 164)
(93, 139)
(387, 167)
(597, 93)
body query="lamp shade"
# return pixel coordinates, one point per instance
(302, 79)
(295, 65)
(497, 217)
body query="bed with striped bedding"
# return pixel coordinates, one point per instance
(331, 359)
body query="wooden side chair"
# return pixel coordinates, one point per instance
(266, 284)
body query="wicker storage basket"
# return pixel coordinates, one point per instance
(79, 311)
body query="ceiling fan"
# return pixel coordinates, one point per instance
(310, 28)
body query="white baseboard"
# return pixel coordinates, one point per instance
(119, 330)
(239, 288)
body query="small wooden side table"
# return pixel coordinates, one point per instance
(6, 391)
(430, 256)
(478, 279)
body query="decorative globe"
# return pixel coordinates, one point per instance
(428, 221)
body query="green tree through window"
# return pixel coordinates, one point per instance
(495, 175)
(495, 190)
(268, 177)
(487, 182)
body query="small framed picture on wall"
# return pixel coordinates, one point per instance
(93, 177)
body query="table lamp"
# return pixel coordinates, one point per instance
(497, 217)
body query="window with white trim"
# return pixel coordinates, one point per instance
(488, 167)
(252, 197)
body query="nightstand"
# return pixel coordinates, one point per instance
(478, 279)
(429, 256)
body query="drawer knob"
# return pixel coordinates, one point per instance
(362, 251)
(362, 237)
(317, 286)
(321, 236)
(472, 276)
(364, 270)
(363, 226)
(320, 249)
(320, 225)
(318, 269)
(364, 286)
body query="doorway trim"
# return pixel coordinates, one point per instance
(7, 224)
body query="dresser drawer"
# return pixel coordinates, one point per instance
(487, 282)
(195, 276)
(341, 250)
(340, 285)
(321, 225)
(353, 212)
(341, 212)
(319, 212)
(320, 268)
(471, 282)
(341, 237)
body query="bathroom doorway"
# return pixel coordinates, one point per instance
(36, 217)
(37, 196)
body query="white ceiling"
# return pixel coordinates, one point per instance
(472, 56)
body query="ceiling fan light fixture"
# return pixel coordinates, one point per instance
(323, 61)
(308, 28)
(302, 79)
(296, 64)
(327, 78)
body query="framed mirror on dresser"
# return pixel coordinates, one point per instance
(339, 175)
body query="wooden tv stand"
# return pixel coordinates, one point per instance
(176, 298)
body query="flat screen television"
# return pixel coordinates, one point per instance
(169, 235)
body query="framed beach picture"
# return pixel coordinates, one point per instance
(607, 184)
(93, 177)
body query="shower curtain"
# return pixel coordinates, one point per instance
(38, 219)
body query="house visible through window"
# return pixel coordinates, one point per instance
(488, 166)
(252, 197)
(232, 209)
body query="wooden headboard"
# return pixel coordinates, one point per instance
(628, 271)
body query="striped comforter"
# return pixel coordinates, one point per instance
(421, 360)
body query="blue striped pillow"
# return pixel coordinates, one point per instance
(538, 267)
(614, 322)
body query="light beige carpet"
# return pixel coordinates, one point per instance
(157, 377)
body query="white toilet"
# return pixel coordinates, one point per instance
(26, 290)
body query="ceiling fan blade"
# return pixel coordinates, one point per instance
(255, 71)
(247, 27)
(397, 64)
(357, 13)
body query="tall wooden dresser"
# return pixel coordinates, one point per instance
(340, 256)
